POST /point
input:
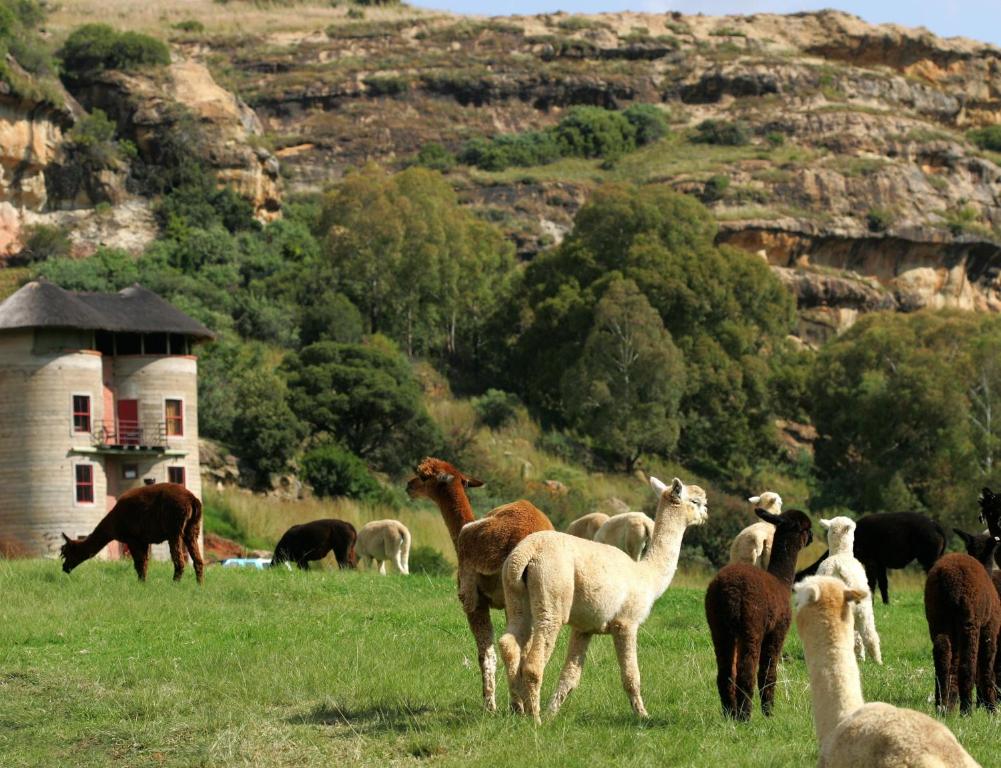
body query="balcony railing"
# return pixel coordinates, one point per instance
(130, 435)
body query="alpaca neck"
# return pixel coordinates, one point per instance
(834, 678)
(785, 550)
(455, 509)
(98, 539)
(661, 558)
(842, 546)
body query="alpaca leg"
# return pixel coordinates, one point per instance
(382, 567)
(726, 671)
(986, 693)
(177, 555)
(191, 535)
(969, 641)
(748, 651)
(398, 562)
(865, 620)
(572, 668)
(629, 668)
(768, 667)
(513, 644)
(536, 657)
(881, 575)
(859, 646)
(942, 656)
(140, 558)
(483, 632)
(469, 594)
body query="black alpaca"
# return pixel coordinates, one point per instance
(990, 515)
(312, 541)
(892, 540)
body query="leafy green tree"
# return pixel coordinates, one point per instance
(93, 48)
(265, 430)
(335, 471)
(625, 390)
(331, 317)
(649, 122)
(595, 132)
(365, 398)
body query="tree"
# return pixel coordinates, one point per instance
(266, 430)
(363, 397)
(625, 390)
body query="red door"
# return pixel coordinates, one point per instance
(128, 422)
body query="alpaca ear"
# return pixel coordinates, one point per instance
(65, 538)
(678, 489)
(856, 595)
(767, 516)
(657, 485)
(963, 535)
(754, 499)
(825, 523)
(472, 482)
(445, 478)
(805, 593)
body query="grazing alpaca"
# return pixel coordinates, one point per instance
(552, 579)
(891, 540)
(753, 545)
(749, 616)
(382, 541)
(585, 527)
(481, 547)
(964, 617)
(850, 732)
(990, 514)
(631, 532)
(842, 565)
(143, 516)
(313, 540)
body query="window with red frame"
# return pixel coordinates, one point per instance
(175, 475)
(174, 411)
(81, 413)
(85, 483)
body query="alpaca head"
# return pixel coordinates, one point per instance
(824, 604)
(990, 510)
(840, 534)
(432, 476)
(71, 552)
(769, 500)
(979, 546)
(691, 499)
(790, 521)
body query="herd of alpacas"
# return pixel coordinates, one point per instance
(604, 574)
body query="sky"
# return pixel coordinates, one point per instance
(979, 19)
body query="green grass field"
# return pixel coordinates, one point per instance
(329, 668)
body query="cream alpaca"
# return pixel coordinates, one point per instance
(631, 532)
(585, 527)
(849, 731)
(382, 541)
(551, 579)
(841, 564)
(753, 545)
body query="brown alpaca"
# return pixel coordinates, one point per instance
(143, 516)
(964, 617)
(481, 547)
(749, 616)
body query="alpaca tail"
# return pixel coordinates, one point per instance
(405, 548)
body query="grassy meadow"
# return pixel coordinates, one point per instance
(329, 668)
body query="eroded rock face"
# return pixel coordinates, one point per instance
(30, 138)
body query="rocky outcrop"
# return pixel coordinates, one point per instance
(31, 135)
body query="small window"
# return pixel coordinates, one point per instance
(175, 417)
(128, 344)
(175, 475)
(81, 413)
(105, 341)
(84, 483)
(155, 344)
(130, 471)
(178, 344)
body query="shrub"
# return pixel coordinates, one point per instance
(649, 122)
(775, 138)
(434, 156)
(335, 471)
(386, 85)
(425, 559)
(595, 132)
(495, 408)
(722, 132)
(878, 219)
(715, 188)
(988, 138)
(189, 25)
(94, 48)
(44, 242)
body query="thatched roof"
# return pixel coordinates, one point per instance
(41, 304)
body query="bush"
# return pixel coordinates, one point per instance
(649, 122)
(386, 85)
(495, 408)
(44, 242)
(335, 471)
(722, 132)
(987, 138)
(595, 132)
(715, 188)
(878, 219)
(189, 25)
(775, 138)
(425, 559)
(434, 156)
(94, 48)
(521, 150)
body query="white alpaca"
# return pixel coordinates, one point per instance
(753, 545)
(382, 541)
(551, 579)
(585, 527)
(850, 732)
(841, 564)
(631, 532)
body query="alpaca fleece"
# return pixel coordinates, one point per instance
(894, 539)
(753, 545)
(631, 532)
(143, 516)
(383, 541)
(481, 547)
(586, 526)
(552, 579)
(749, 615)
(850, 732)
(311, 541)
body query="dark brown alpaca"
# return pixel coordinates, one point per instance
(964, 616)
(990, 514)
(749, 615)
(143, 516)
(481, 547)
(312, 541)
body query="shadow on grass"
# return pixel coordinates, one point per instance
(384, 717)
